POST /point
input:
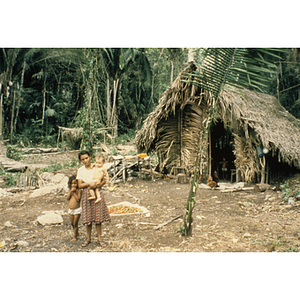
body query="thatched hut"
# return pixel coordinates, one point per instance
(245, 120)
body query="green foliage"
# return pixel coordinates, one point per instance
(13, 152)
(52, 86)
(57, 166)
(10, 179)
(290, 188)
(240, 67)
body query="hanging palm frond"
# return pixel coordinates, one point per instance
(240, 67)
(215, 67)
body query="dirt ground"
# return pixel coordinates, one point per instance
(243, 221)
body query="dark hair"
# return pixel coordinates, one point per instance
(83, 152)
(71, 178)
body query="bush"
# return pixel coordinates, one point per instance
(13, 152)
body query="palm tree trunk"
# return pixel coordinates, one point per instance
(108, 105)
(187, 217)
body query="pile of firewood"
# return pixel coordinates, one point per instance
(121, 168)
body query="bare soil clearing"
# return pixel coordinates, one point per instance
(244, 221)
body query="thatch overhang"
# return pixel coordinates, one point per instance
(258, 116)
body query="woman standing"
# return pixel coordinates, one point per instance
(91, 212)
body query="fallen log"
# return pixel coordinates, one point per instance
(13, 166)
(239, 189)
(20, 189)
(39, 150)
(261, 187)
(167, 222)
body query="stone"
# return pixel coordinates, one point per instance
(59, 212)
(8, 224)
(247, 235)
(43, 191)
(50, 189)
(47, 176)
(4, 193)
(60, 179)
(50, 218)
(22, 243)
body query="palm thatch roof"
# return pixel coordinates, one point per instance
(249, 115)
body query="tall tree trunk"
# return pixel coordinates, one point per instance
(114, 109)
(44, 98)
(172, 71)
(108, 104)
(191, 54)
(152, 89)
(1, 109)
(19, 97)
(12, 115)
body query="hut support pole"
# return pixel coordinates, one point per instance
(263, 169)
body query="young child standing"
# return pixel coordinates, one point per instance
(99, 173)
(74, 196)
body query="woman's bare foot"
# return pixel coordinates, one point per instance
(102, 244)
(74, 239)
(97, 200)
(85, 243)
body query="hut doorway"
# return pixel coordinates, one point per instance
(221, 150)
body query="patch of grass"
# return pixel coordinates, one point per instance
(10, 179)
(57, 166)
(291, 249)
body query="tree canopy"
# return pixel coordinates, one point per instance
(112, 88)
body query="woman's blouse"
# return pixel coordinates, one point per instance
(85, 174)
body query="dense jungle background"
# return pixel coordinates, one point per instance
(103, 89)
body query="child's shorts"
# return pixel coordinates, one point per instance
(76, 211)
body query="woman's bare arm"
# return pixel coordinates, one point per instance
(83, 185)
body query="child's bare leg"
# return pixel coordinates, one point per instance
(92, 194)
(72, 223)
(72, 220)
(75, 226)
(98, 196)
